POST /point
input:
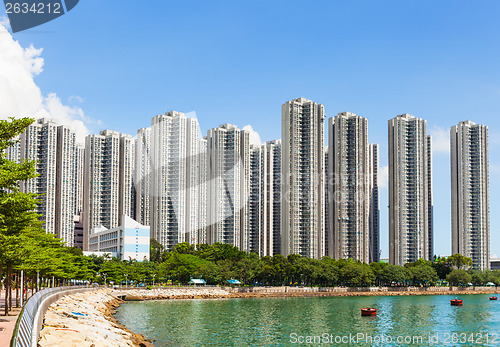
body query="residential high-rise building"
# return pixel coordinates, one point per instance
(303, 174)
(78, 180)
(107, 180)
(374, 204)
(349, 187)
(272, 198)
(126, 190)
(410, 190)
(143, 177)
(203, 198)
(52, 147)
(13, 153)
(192, 180)
(39, 143)
(256, 238)
(174, 171)
(228, 166)
(327, 206)
(65, 184)
(470, 208)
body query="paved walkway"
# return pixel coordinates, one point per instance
(7, 323)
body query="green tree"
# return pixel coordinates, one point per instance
(458, 277)
(458, 261)
(156, 251)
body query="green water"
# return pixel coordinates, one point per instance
(335, 320)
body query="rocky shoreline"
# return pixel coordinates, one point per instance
(87, 319)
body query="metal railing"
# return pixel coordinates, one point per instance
(29, 323)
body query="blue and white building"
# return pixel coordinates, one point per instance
(129, 240)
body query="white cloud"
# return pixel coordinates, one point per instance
(75, 98)
(254, 136)
(19, 94)
(440, 139)
(383, 177)
(4, 21)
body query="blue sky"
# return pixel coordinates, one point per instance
(121, 63)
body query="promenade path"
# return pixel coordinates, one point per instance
(7, 323)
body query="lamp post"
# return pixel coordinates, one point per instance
(126, 277)
(154, 280)
(104, 274)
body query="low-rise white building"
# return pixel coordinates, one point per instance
(129, 240)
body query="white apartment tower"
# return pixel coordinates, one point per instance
(202, 190)
(350, 181)
(107, 180)
(175, 178)
(303, 174)
(272, 198)
(228, 168)
(256, 202)
(39, 143)
(65, 184)
(410, 190)
(374, 204)
(470, 208)
(143, 177)
(78, 180)
(53, 149)
(126, 188)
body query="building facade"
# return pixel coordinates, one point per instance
(272, 198)
(107, 180)
(410, 190)
(303, 175)
(374, 203)
(470, 208)
(142, 175)
(53, 149)
(349, 187)
(228, 167)
(175, 178)
(128, 241)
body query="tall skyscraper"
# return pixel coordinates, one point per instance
(107, 180)
(374, 204)
(203, 202)
(78, 180)
(272, 198)
(228, 151)
(39, 143)
(349, 178)
(470, 208)
(126, 188)
(143, 176)
(256, 239)
(173, 193)
(410, 190)
(192, 180)
(328, 233)
(65, 184)
(52, 147)
(303, 195)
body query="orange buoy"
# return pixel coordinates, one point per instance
(456, 302)
(368, 311)
(493, 298)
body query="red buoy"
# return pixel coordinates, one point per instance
(456, 302)
(493, 298)
(368, 311)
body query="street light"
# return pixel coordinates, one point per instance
(126, 283)
(154, 279)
